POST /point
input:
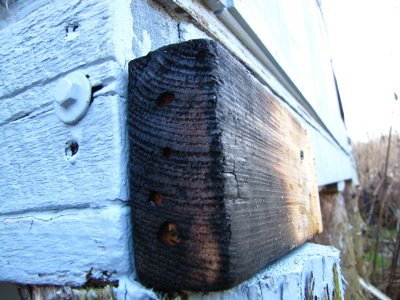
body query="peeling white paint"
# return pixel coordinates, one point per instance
(131, 290)
(144, 42)
(287, 278)
(123, 32)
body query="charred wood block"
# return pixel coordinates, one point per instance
(222, 175)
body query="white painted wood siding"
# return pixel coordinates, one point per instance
(62, 217)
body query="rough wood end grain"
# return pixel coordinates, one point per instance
(222, 175)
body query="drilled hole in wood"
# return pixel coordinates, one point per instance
(155, 197)
(168, 234)
(165, 98)
(71, 148)
(301, 154)
(166, 152)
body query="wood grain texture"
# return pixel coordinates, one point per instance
(222, 175)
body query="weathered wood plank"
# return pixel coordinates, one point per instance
(59, 292)
(223, 179)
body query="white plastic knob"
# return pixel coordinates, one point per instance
(72, 97)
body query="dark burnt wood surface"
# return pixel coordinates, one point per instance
(222, 175)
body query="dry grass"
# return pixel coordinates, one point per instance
(380, 206)
(371, 157)
(371, 161)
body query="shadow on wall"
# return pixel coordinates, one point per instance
(9, 291)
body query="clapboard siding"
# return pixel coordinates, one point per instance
(297, 39)
(332, 163)
(42, 45)
(38, 176)
(39, 172)
(295, 35)
(40, 96)
(63, 247)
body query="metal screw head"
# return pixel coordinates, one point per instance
(66, 92)
(72, 97)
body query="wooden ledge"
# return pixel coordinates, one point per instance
(222, 175)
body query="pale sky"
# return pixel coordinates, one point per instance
(365, 42)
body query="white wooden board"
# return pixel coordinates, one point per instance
(62, 216)
(39, 171)
(63, 247)
(40, 97)
(42, 45)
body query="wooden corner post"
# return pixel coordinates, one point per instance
(222, 175)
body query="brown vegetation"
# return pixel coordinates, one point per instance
(362, 221)
(337, 232)
(378, 161)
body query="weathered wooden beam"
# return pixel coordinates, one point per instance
(222, 175)
(37, 292)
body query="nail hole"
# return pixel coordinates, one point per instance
(155, 197)
(165, 98)
(301, 154)
(167, 152)
(87, 76)
(71, 27)
(168, 234)
(71, 148)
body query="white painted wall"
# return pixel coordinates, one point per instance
(63, 217)
(294, 33)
